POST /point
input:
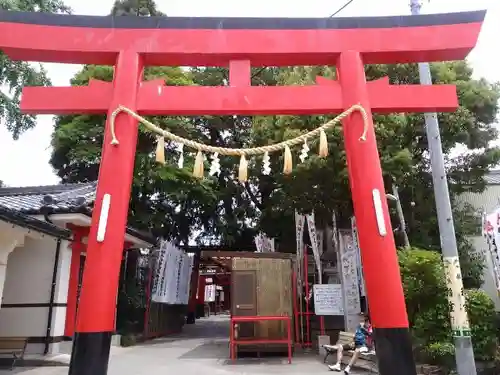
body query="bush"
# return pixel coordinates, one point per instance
(441, 354)
(426, 295)
(482, 316)
(128, 340)
(428, 309)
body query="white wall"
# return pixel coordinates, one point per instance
(488, 286)
(487, 201)
(11, 237)
(61, 295)
(28, 281)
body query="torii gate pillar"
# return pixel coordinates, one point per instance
(376, 241)
(95, 323)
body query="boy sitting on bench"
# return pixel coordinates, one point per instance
(359, 345)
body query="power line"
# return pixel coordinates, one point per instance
(258, 72)
(333, 15)
(341, 8)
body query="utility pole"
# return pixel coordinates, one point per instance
(464, 354)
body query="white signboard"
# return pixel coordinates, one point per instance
(210, 293)
(328, 299)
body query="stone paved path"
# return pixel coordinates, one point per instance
(200, 350)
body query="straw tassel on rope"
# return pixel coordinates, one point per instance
(231, 151)
(323, 145)
(243, 169)
(287, 163)
(198, 171)
(160, 149)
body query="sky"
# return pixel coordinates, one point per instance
(28, 157)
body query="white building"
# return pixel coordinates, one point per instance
(43, 234)
(487, 201)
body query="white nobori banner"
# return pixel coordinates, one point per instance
(359, 263)
(172, 275)
(311, 225)
(299, 235)
(335, 233)
(264, 244)
(349, 275)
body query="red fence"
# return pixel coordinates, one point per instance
(233, 343)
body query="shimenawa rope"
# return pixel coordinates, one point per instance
(242, 152)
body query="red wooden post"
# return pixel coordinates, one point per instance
(97, 306)
(77, 247)
(295, 308)
(378, 250)
(193, 289)
(289, 338)
(234, 342)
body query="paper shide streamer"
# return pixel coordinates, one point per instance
(243, 153)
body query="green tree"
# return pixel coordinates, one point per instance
(165, 198)
(322, 184)
(145, 8)
(230, 212)
(428, 309)
(14, 75)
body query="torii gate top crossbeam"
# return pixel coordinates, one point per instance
(172, 41)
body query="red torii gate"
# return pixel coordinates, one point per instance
(130, 43)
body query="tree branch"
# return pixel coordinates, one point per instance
(252, 196)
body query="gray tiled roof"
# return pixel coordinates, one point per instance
(493, 177)
(17, 218)
(65, 198)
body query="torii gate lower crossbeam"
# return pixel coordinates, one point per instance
(130, 43)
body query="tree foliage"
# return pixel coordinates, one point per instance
(14, 75)
(428, 309)
(267, 203)
(144, 8)
(167, 199)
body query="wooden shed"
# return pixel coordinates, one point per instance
(261, 285)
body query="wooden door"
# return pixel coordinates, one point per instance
(244, 300)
